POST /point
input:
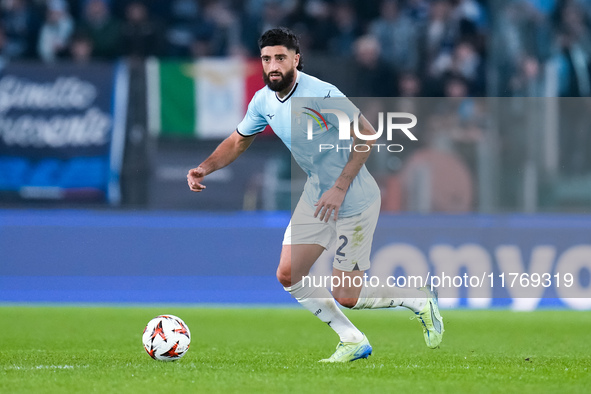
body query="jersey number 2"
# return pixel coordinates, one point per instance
(340, 249)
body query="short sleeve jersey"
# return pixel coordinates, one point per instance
(322, 167)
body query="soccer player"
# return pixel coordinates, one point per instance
(340, 202)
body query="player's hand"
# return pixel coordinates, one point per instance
(194, 179)
(329, 203)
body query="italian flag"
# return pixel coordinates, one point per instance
(206, 98)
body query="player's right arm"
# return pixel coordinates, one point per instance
(224, 154)
(253, 123)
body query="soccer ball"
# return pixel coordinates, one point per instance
(166, 338)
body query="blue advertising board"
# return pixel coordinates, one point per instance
(62, 130)
(520, 262)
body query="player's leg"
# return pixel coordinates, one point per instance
(352, 259)
(388, 297)
(355, 292)
(348, 287)
(355, 237)
(305, 239)
(349, 348)
(423, 302)
(295, 263)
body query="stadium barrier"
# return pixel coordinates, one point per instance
(181, 257)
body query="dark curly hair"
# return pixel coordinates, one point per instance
(282, 36)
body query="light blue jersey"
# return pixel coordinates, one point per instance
(322, 167)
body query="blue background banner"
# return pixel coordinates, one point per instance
(106, 256)
(56, 130)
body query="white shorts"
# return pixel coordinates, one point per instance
(354, 234)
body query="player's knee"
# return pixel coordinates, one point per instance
(346, 302)
(284, 277)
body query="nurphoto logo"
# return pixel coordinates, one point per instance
(392, 124)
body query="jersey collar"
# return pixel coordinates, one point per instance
(295, 85)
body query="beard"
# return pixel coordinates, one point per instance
(281, 84)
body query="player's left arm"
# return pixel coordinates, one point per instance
(330, 202)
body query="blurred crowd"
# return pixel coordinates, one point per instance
(456, 49)
(409, 47)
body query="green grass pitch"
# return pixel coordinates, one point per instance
(58, 349)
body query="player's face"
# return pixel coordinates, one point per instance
(279, 64)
